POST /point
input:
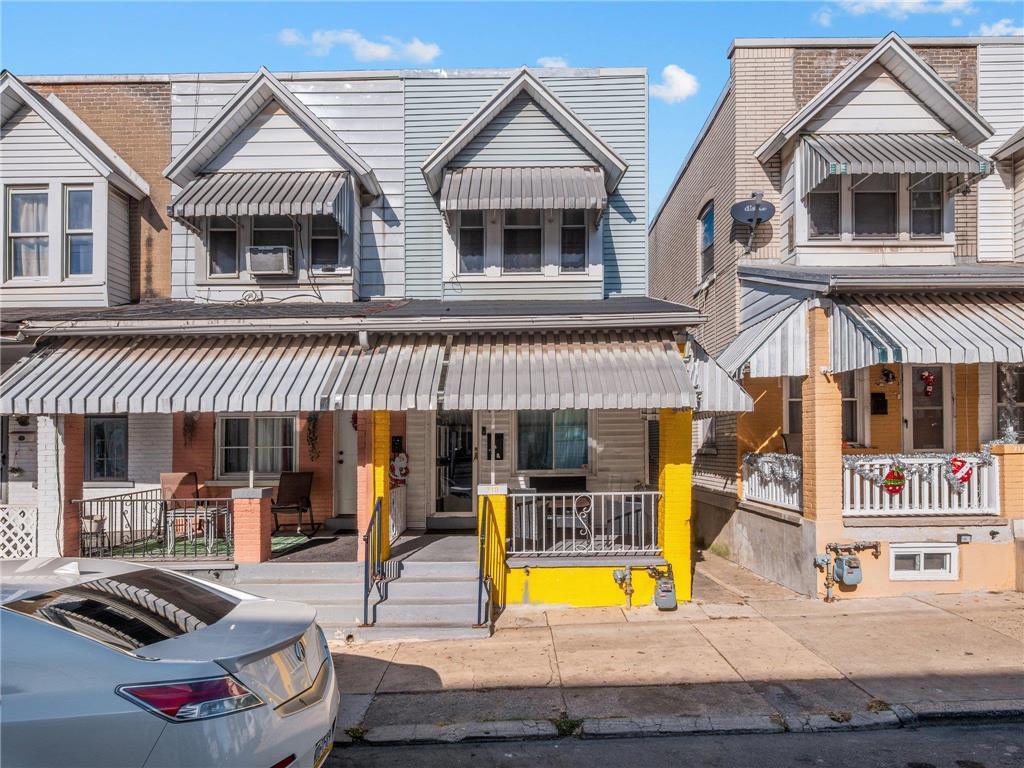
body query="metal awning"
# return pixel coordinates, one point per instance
(265, 193)
(926, 328)
(544, 371)
(489, 189)
(716, 391)
(394, 372)
(830, 154)
(776, 346)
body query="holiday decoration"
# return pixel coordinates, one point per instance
(399, 469)
(928, 379)
(888, 377)
(313, 435)
(960, 470)
(1008, 408)
(894, 482)
(776, 467)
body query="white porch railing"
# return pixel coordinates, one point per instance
(396, 517)
(584, 524)
(772, 488)
(926, 493)
(18, 532)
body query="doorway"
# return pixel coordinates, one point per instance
(453, 489)
(928, 408)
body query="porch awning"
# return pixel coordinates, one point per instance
(265, 193)
(776, 346)
(394, 372)
(840, 153)
(488, 189)
(567, 370)
(716, 391)
(927, 328)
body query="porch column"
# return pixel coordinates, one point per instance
(381, 475)
(492, 528)
(1011, 499)
(822, 425)
(374, 445)
(54, 537)
(675, 481)
(252, 524)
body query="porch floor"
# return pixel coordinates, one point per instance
(325, 547)
(436, 548)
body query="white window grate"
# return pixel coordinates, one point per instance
(18, 532)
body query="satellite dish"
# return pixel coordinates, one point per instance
(752, 212)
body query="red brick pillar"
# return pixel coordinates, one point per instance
(252, 523)
(823, 431)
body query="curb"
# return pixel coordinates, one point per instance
(921, 714)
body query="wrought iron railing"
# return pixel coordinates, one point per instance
(145, 525)
(375, 578)
(584, 524)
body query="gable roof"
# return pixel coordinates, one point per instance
(250, 100)
(1011, 146)
(14, 95)
(893, 53)
(524, 82)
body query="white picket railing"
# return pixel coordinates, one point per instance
(777, 492)
(926, 494)
(396, 516)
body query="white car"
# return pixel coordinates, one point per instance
(104, 663)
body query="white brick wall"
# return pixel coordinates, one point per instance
(22, 450)
(150, 449)
(50, 435)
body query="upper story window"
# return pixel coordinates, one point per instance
(273, 230)
(470, 243)
(875, 205)
(925, 205)
(522, 238)
(707, 239)
(327, 254)
(78, 236)
(28, 242)
(823, 209)
(223, 246)
(573, 254)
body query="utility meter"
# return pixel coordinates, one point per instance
(847, 570)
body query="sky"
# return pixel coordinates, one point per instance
(682, 44)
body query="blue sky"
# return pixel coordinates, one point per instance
(691, 38)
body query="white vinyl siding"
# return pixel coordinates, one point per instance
(118, 256)
(273, 141)
(31, 150)
(1001, 102)
(1018, 209)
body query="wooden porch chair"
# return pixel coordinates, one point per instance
(293, 491)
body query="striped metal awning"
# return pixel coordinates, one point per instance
(542, 371)
(717, 391)
(776, 346)
(265, 193)
(400, 372)
(490, 189)
(830, 154)
(926, 328)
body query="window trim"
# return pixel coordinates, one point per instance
(997, 395)
(948, 421)
(458, 243)
(703, 430)
(67, 232)
(501, 253)
(9, 236)
(87, 475)
(562, 226)
(218, 446)
(909, 548)
(338, 267)
(862, 398)
(911, 209)
(704, 250)
(209, 251)
(896, 194)
(787, 397)
(838, 193)
(587, 469)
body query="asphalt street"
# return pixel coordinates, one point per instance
(977, 746)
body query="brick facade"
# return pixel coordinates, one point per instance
(134, 118)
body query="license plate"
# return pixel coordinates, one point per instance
(323, 748)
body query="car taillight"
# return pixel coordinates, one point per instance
(188, 700)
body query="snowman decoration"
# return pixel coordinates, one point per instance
(399, 469)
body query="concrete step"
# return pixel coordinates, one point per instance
(398, 612)
(438, 590)
(274, 572)
(397, 634)
(346, 615)
(306, 591)
(431, 571)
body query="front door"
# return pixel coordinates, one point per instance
(453, 488)
(927, 408)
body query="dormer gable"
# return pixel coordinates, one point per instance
(523, 105)
(890, 69)
(261, 106)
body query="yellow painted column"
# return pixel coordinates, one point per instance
(492, 525)
(380, 455)
(675, 481)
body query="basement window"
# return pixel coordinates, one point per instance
(923, 562)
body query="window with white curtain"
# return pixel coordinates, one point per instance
(470, 242)
(28, 242)
(78, 237)
(264, 443)
(573, 255)
(522, 237)
(550, 440)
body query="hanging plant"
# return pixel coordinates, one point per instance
(188, 427)
(313, 435)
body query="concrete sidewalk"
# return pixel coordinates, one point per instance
(745, 656)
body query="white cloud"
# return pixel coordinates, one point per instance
(822, 17)
(676, 85)
(1000, 28)
(956, 21)
(552, 61)
(901, 9)
(322, 41)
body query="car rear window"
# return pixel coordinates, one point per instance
(131, 610)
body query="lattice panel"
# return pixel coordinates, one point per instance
(18, 528)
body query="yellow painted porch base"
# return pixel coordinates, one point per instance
(577, 586)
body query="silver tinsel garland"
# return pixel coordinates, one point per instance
(776, 467)
(898, 461)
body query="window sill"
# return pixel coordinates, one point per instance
(243, 482)
(108, 484)
(530, 277)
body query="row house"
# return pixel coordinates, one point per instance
(369, 302)
(872, 306)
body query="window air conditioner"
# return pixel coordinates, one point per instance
(270, 259)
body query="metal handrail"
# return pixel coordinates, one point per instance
(483, 587)
(373, 562)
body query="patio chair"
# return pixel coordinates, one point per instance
(293, 499)
(180, 494)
